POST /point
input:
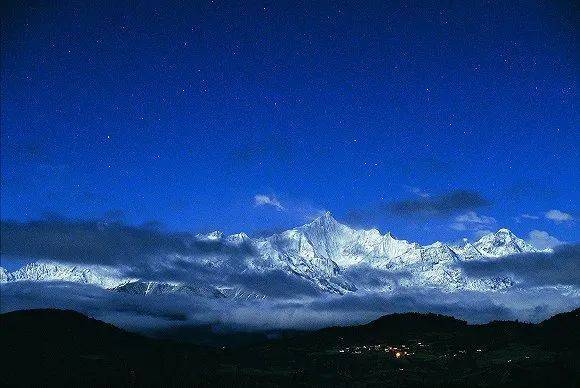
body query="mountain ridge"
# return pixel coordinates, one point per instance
(321, 252)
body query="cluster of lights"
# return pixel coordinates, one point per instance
(395, 351)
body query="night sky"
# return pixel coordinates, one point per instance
(433, 121)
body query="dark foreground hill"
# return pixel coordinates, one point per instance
(65, 348)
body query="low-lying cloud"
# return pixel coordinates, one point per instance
(163, 312)
(99, 242)
(534, 269)
(542, 239)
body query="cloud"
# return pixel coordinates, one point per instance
(482, 232)
(472, 221)
(417, 191)
(297, 210)
(533, 269)
(125, 310)
(438, 206)
(473, 307)
(421, 209)
(268, 200)
(274, 284)
(165, 312)
(101, 242)
(371, 278)
(558, 216)
(525, 216)
(543, 240)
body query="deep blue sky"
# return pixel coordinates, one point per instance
(183, 114)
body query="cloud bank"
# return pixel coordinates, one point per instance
(534, 269)
(441, 205)
(542, 240)
(423, 207)
(163, 312)
(98, 242)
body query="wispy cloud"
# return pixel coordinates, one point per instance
(417, 191)
(472, 221)
(481, 232)
(558, 216)
(268, 200)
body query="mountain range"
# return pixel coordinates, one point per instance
(323, 254)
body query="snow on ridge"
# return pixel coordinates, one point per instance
(320, 252)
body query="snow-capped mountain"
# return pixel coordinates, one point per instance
(102, 276)
(146, 288)
(4, 275)
(502, 243)
(322, 253)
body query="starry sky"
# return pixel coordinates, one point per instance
(435, 121)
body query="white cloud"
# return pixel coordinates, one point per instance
(526, 216)
(268, 200)
(558, 216)
(543, 240)
(472, 221)
(482, 232)
(417, 191)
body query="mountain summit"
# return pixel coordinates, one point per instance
(502, 243)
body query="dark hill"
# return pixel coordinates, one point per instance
(568, 320)
(61, 347)
(65, 348)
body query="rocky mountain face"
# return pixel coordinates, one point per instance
(322, 253)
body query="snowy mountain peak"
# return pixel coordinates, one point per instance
(4, 275)
(327, 215)
(502, 235)
(502, 243)
(390, 236)
(324, 221)
(238, 238)
(48, 271)
(212, 236)
(504, 232)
